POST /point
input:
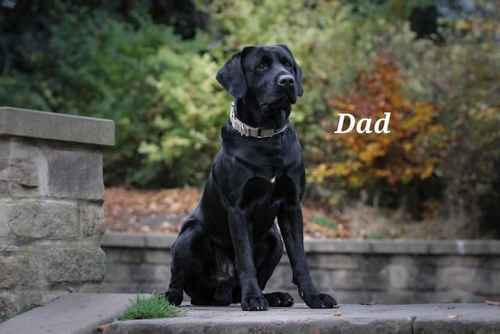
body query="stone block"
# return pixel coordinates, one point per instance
(20, 272)
(393, 296)
(118, 273)
(119, 287)
(424, 278)
(491, 278)
(131, 255)
(9, 272)
(4, 188)
(21, 167)
(450, 278)
(23, 164)
(151, 273)
(458, 261)
(8, 305)
(112, 255)
(4, 222)
(323, 279)
(74, 173)
(91, 220)
(400, 276)
(8, 246)
(14, 302)
(73, 263)
(37, 219)
(158, 256)
(350, 280)
(491, 262)
(352, 296)
(333, 261)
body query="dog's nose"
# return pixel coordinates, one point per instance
(286, 80)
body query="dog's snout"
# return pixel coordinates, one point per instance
(286, 80)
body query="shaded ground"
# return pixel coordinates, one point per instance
(162, 211)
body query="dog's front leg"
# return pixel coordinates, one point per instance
(291, 226)
(252, 298)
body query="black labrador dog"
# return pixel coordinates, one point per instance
(229, 246)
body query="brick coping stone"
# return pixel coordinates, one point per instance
(85, 313)
(54, 126)
(397, 246)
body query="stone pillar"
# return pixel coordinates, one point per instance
(51, 212)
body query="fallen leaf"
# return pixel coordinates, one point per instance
(492, 302)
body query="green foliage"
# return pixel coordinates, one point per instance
(159, 89)
(150, 307)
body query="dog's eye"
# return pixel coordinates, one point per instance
(287, 63)
(262, 66)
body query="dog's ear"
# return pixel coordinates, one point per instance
(298, 71)
(232, 76)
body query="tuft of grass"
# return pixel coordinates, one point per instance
(323, 221)
(150, 307)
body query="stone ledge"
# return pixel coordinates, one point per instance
(117, 239)
(408, 319)
(414, 247)
(72, 313)
(53, 126)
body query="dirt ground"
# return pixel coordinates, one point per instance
(162, 212)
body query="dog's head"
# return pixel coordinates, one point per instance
(268, 75)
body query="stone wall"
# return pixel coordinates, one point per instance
(380, 271)
(51, 195)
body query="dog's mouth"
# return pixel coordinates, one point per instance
(283, 103)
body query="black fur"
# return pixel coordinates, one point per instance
(230, 245)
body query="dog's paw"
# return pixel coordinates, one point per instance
(320, 300)
(254, 303)
(279, 299)
(174, 297)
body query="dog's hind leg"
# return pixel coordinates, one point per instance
(179, 268)
(187, 265)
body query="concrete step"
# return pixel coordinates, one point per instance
(84, 313)
(363, 319)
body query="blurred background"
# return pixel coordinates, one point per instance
(150, 66)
